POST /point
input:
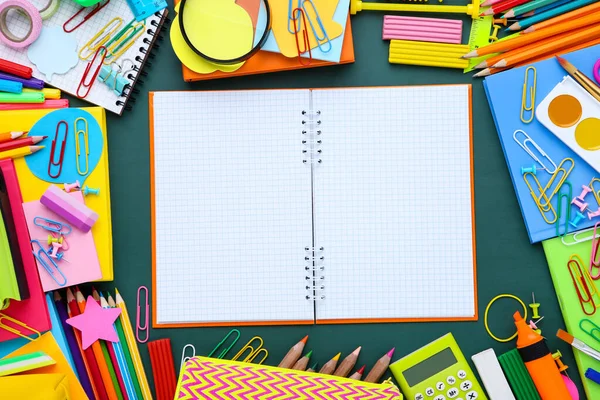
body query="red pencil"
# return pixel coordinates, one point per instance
(503, 6)
(87, 354)
(28, 141)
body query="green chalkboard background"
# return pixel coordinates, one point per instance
(506, 262)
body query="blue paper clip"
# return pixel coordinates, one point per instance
(115, 78)
(323, 37)
(42, 257)
(52, 226)
(291, 19)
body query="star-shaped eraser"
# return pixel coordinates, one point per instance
(95, 323)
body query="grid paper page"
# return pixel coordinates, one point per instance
(232, 207)
(100, 94)
(393, 203)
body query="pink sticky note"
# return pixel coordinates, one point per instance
(95, 323)
(82, 265)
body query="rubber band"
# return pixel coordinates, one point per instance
(487, 309)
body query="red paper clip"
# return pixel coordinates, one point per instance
(594, 259)
(86, 17)
(584, 286)
(89, 83)
(299, 18)
(139, 328)
(63, 145)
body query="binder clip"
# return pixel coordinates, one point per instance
(115, 79)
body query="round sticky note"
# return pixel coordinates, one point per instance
(38, 162)
(564, 111)
(586, 134)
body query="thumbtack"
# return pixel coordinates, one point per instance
(52, 239)
(69, 187)
(577, 219)
(533, 325)
(594, 214)
(582, 206)
(534, 307)
(532, 169)
(59, 256)
(501, 21)
(89, 190)
(55, 247)
(557, 358)
(494, 35)
(584, 191)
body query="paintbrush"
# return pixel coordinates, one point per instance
(580, 77)
(578, 344)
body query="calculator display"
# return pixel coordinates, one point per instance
(429, 367)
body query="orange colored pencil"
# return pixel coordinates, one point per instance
(110, 389)
(557, 42)
(577, 13)
(8, 136)
(524, 39)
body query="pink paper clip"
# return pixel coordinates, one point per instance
(594, 259)
(138, 326)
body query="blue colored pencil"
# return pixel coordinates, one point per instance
(554, 12)
(544, 9)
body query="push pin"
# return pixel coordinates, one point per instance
(89, 190)
(532, 169)
(582, 206)
(52, 239)
(69, 187)
(494, 35)
(55, 247)
(577, 219)
(58, 256)
(584, 191)
(501, 21)
(594, 214)
(557, 358)
(534, 307)
(533, 325)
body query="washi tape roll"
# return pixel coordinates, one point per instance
(49, 9)
(30, 13)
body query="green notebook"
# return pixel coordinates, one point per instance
(9, 288)
(558, 254)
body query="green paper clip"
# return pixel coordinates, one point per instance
(594, 332)
(567, 196)
(221, 343)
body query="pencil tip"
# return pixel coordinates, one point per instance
(308, 354)
(304, 339)
(337, 356)
(391, 352)
(362, 369)
(357, 351)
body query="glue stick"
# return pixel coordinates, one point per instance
(539, 362)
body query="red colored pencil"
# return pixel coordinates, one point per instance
(87, 354)
(503, 6)
(28, 141)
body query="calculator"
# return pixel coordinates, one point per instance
(437, 371)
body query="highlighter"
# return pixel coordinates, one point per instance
(539, 362)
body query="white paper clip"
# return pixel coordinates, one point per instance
(184, 358)
(524, 146)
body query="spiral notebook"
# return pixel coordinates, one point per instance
(100, 94)
(312, 206)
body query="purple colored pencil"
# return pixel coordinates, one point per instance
(32, 83)
(84, 379)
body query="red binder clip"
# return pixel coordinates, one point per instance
(63, 145)
(299, 18)
(85, 17)
(88, 83)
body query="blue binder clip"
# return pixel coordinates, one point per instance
(115, 79)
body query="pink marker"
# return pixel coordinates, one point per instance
(66, 207)
(48, 104)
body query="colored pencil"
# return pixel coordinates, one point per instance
(488, 3)
(550, 6)
(99, 354)
(127, 389)
(8, 136)
(524, 39)
(330, 365)
(380, 367)
(52, 104)
(580, 77)
(347, 364)
(20, 152)
(358, 374)
(302, 363)
(88, 354)
(80, 365)
(501, 7)
(293, 354)
(527, 7)
(111, 360)
(557, 42)
(313, 368)
(547, 18)
(126, 351)
(135, 354)
(15, 144)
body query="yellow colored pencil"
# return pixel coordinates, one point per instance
(20, 152)
(133, 348)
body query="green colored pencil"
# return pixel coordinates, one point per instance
(525, 8)
(123, 341)
(111, 370)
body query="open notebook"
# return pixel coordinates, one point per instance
(303, 206)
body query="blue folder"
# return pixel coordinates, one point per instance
(504, 92)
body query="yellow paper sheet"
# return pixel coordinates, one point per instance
(47, 387)
(32, 188)
(287, 41)
(48, 345)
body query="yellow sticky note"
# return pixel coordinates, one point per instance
(287, 41)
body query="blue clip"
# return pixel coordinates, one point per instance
(324, 37)
(42, 257)
(52, 226)
(113, 79)
(291, 18)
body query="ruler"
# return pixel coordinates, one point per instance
(481, 30)
(142, 9)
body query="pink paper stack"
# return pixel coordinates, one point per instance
(422, 29)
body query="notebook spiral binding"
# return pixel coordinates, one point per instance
(314, 265)
(146, 52)
(311, 141)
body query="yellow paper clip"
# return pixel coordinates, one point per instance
(584, 286)
(566, 196)
(525, 146)
(563, 173)
(595, 191)
(16, 331)
(224, 352)
(254, 351)
(83, 130)
(548, 212)
(590, 328)
(525, 105)
(123, 40)
(98, 40)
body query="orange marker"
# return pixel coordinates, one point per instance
(539, 362)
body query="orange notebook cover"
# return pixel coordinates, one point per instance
(264, 62)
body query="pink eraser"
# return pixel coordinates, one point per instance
(77, 214)
(438, 30)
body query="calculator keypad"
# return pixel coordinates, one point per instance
(440, 397)
(453, 392)
(419, 396)
(440, 386)
(429, 392)
(451, 380)
(466, 386)
(472, 395)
